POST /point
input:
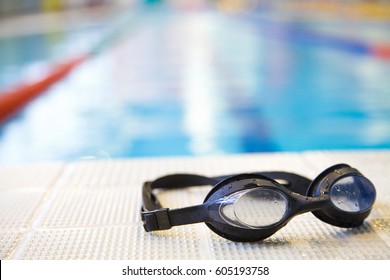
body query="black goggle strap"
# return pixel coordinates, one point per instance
(175, 181)
(156, 217)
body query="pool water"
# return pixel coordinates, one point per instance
(206, 83)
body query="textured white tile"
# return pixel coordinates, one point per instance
(90, 210)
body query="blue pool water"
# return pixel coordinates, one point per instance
(206, 83)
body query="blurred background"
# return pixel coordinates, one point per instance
(87, 79)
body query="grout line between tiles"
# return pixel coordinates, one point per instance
(42, 209)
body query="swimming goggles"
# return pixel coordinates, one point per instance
(252, 207)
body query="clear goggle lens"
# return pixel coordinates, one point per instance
(353, 194)
(254, 208)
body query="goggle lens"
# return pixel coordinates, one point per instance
(353, 194)
(254, 208)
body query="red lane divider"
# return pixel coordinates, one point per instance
(381, 50)
(12, 101)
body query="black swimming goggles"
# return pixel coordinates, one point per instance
(252, 207)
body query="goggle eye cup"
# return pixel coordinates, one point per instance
(353, 194)
(240, 207)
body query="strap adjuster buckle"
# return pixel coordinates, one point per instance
(156, 220)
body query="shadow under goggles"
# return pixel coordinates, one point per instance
(252, 207)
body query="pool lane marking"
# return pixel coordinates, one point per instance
(292, 32)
